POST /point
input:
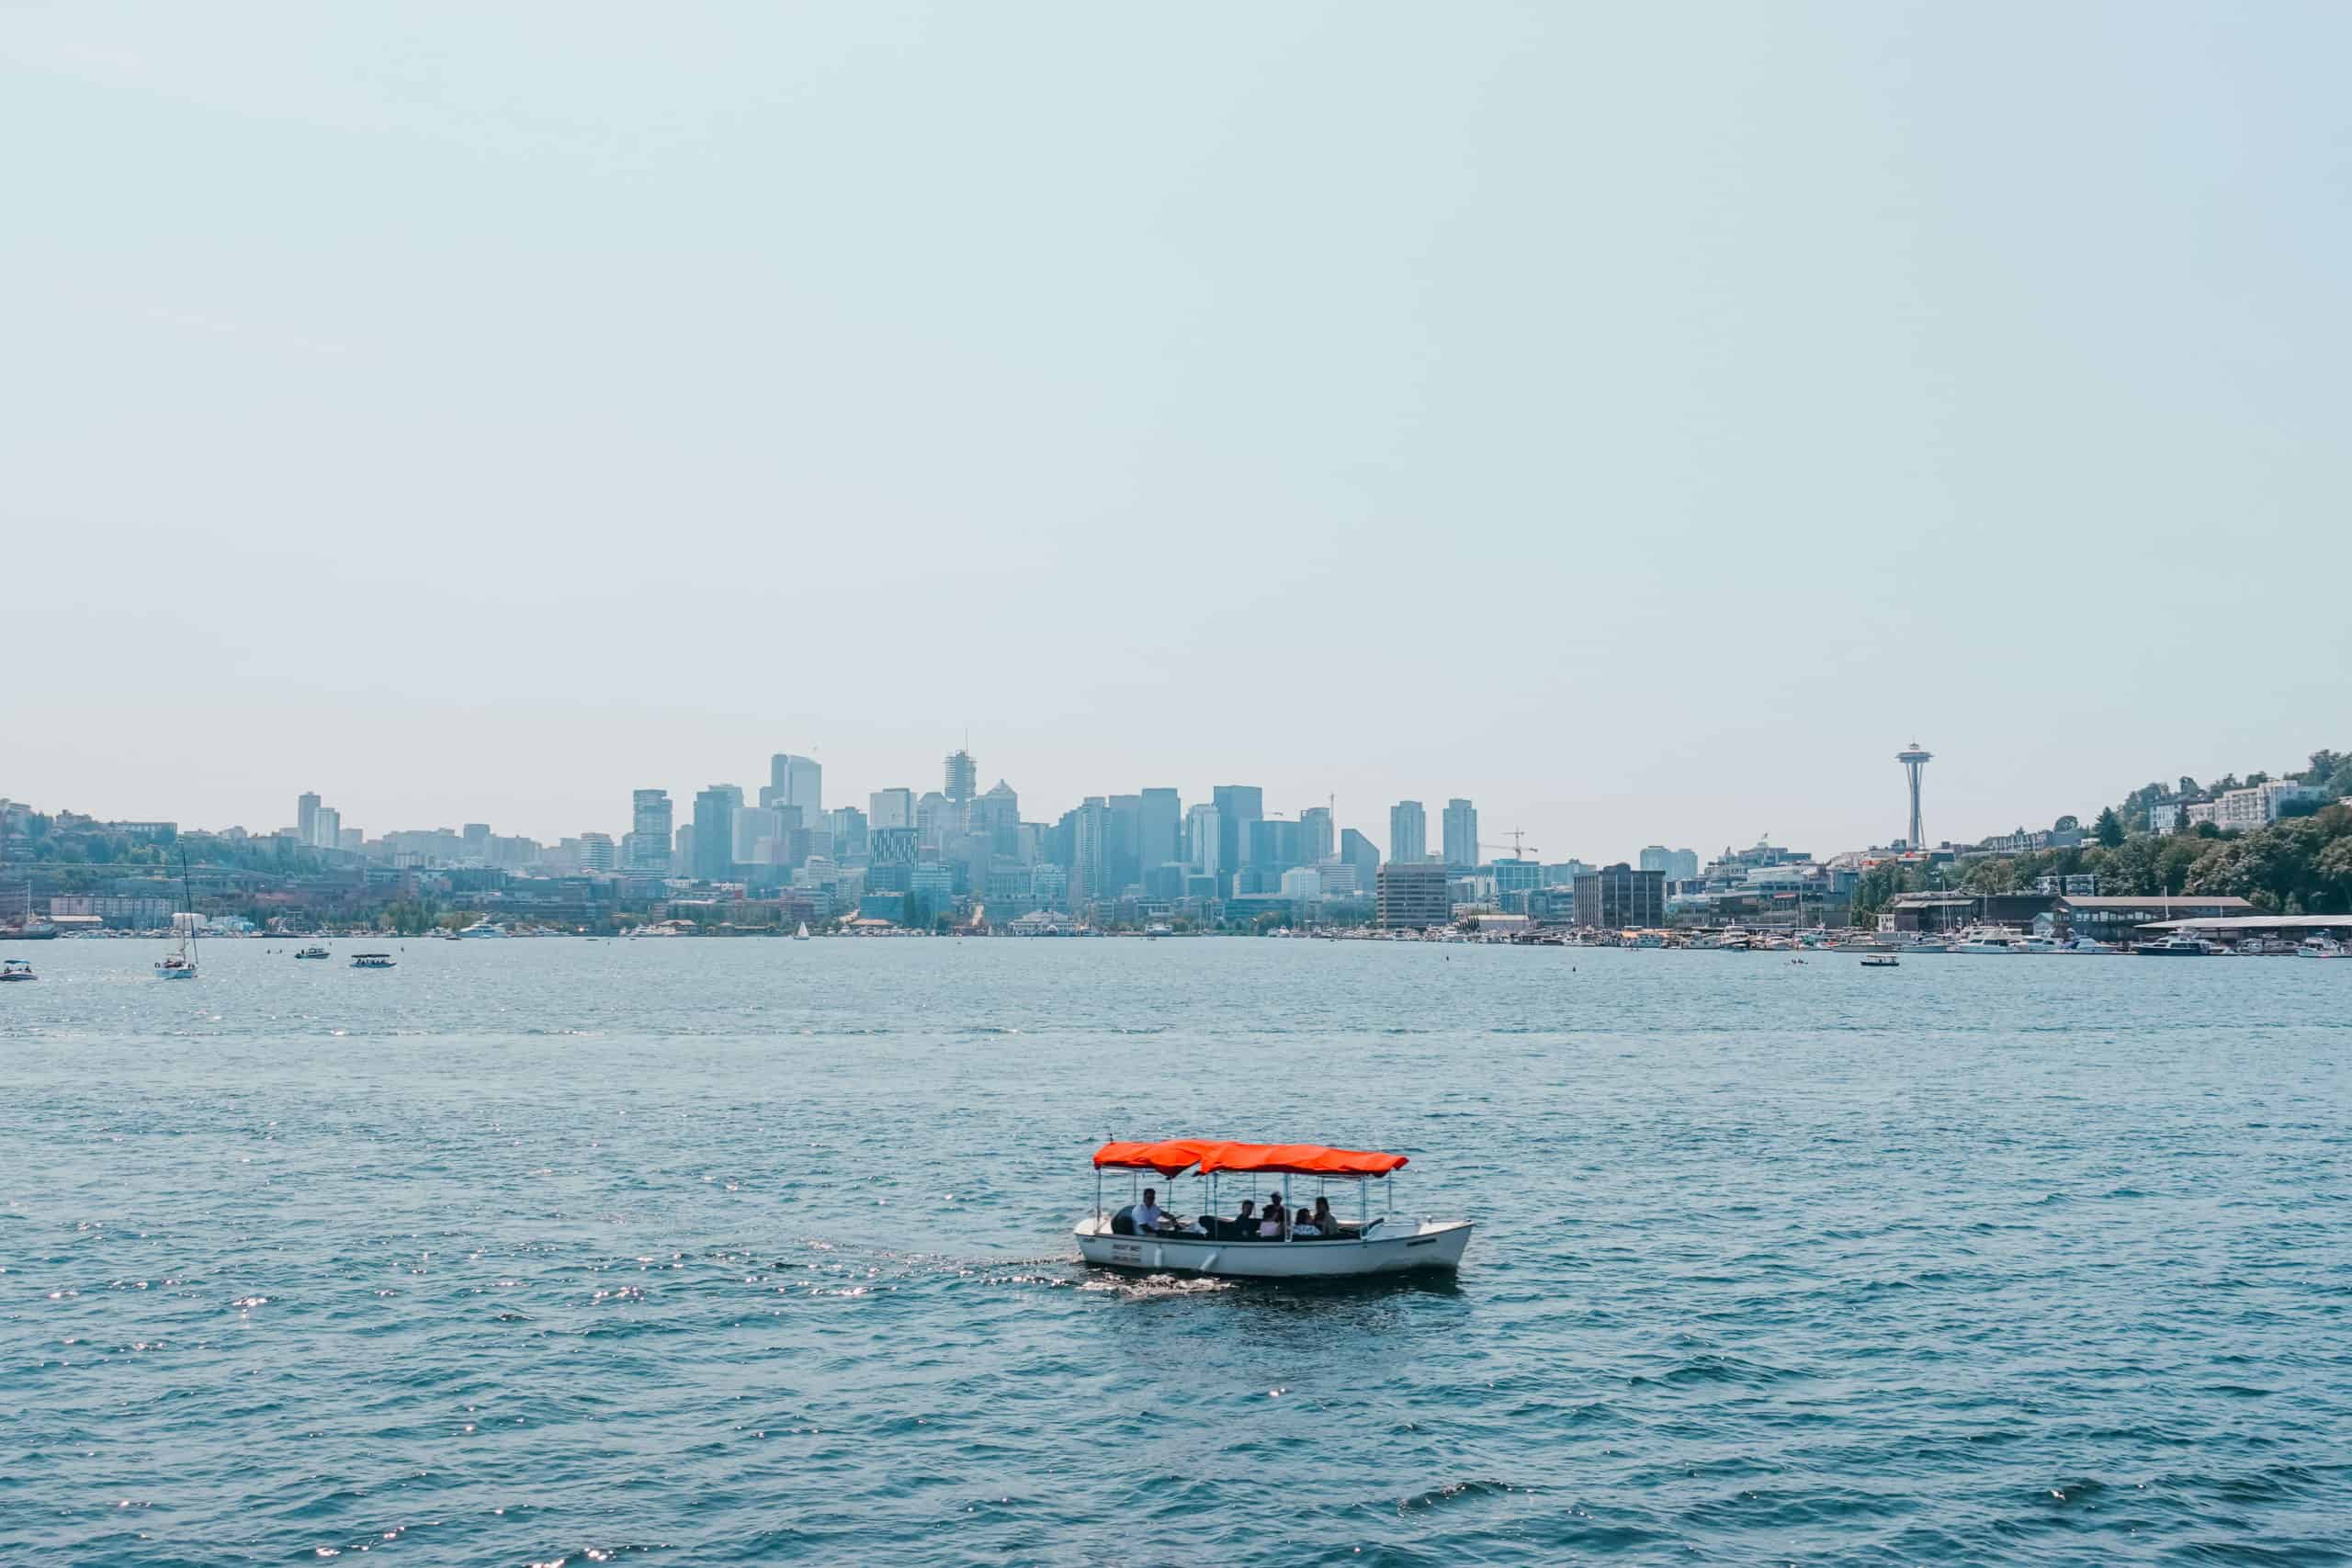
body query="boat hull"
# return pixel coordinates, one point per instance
(1433, 1247)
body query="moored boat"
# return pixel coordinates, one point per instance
(2174, 946)
(1261, 1249)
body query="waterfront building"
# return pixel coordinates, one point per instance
(1408, 833)
(650, 831)
(714, 841)
(306, 818)
(1049, 885)
(1461, 830)
(1618, 897)
(1412, 896)
(1317, 838)
(891, 808)
(1339, 878)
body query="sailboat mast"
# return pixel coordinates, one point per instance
(187, 898)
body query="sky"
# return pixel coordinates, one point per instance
(1643, 420)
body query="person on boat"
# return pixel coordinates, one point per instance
(1304, 1228)
(1149, 1215)
(1326, 1223)
(1245, 1223)
(1273, 1227)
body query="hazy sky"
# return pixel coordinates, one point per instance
(1640, 418)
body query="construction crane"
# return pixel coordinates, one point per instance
(1519, 848)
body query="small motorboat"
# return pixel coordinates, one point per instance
(2174, 946)
(371, 961)
(1382, 1244)
(16, 969)
(314, 950)
(1881, 961)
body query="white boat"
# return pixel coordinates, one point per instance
(802, 934)
(1988, 939)
(314, 950)
(16, 969)
(2174, 946)
(371, 961)
(484, 927)
(180, 962)
(2039, 945)
(2090, 944)
(2321, 947)
(1881, 961)
(1229, 1248)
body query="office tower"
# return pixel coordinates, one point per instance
(1683, 866)
(937, 819)
(1203, 845)
(996, 820)
(1654, 857)
(1301, 885)
(1408, 833)
(963, 779)
(353, 839)
(306, 818)
(1089, 868)
(796, 780)
(1235, 804)
(1159, 830)
(648, 832)
(1461, 834)
(1913, 762)
(757, 834)
(891, 846)
(891, 808)
(1314, 835)
(1618, 897)
(847, 829)
(1361, 852)
(1274, 849)
(328, 827)
(714, 810)
(478, 835)
(596, 852)
(1123, 863)
(1412, 896)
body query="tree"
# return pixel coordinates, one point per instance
(2109, 828)
(2065, 824)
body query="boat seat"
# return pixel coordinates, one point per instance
(1124, 1222)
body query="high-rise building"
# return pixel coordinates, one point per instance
(1618, 897)
(353, 839)
(757, 835)
(1159, 830)
(1408, 833)
(1316, 835)
(1413, 896)
(714, 810)
(796, 781)
(1301, 885)
(963, 779)
(328, 826)
(996, 820)
(682, 850)
(1654, 857)
(477, 835)
(1202, 850)
(306, 820)
(848, 829)
(1461, 834)
(596, 852)
(938, 819)
(891, 808)
(648, 832)
(1236, 805)
(1361, 854)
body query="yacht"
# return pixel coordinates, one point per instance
(2322, 947)
(1988, 939)
(483, 927)
(2090, 944)
(2174, 946)
(2041, 944)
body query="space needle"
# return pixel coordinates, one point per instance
(1913, 760)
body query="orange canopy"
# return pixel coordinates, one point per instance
(1171, 1156)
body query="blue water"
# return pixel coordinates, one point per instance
(758, 1252)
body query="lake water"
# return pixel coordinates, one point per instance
(709, 1252)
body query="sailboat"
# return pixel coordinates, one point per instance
(802, 934)
(180, 962)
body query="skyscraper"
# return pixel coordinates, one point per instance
(1361, 854)
(996, 818)
(1123, 863)
(306, 818)
(328, 827)
(1090, 865)
(1159, 830)
(1408, 833)
(649, 837)
(963, 779)
(596, 851)
(891, 808)
(796, 781)
(714, 840)
(1236, 805)
(1315, 840)
(1203, 843)
(1461, 834)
